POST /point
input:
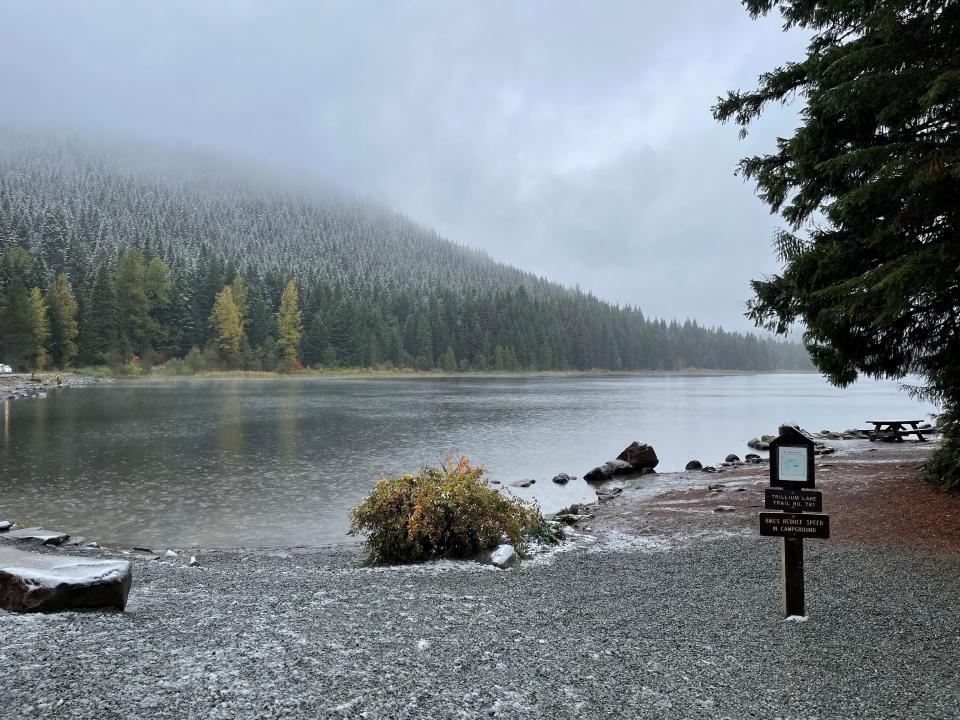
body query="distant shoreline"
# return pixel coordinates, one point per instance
(395, 374)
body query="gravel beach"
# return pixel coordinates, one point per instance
(663, 608)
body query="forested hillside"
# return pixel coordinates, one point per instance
(106, 257)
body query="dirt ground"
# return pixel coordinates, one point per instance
(874, 493)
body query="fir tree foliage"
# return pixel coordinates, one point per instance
(62, 311)
(148, 252)
(869, 186)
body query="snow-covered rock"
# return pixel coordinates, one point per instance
(505, 556)
(31, 582)
(38, 535)
(170, 554)
(193, 561)
(5, 525)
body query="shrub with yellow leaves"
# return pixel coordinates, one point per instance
(441, 512)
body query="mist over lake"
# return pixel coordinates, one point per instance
(273, 463)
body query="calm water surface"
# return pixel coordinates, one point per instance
(278, 462)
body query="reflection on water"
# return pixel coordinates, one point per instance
(278, 462)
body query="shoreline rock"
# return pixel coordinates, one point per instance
(636, 459)
(37, 535)
(36, 582)
(14, 387)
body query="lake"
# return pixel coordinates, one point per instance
(275, 463)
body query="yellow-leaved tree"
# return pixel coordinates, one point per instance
(41, 328)
(289, 326)
(227, 324)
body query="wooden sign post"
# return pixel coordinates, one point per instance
(791, 492)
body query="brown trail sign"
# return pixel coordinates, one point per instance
(793, 500)
(795, 525)
(791, 490)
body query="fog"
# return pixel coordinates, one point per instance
(570, 139)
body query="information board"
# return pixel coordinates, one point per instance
(792, 464)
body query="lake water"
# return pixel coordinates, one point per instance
(275, 463)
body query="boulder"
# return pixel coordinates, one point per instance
(614, 468)
(504, 557)
(752, 458)
(709, 469)
(5, 525)
(731, 458)
(522, 483)
(694, 465)
(640, 455)
(598, 474)
(563, 478)
(32, 582)
(38, 536)
(724, 509)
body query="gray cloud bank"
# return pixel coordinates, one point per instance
(571, 139)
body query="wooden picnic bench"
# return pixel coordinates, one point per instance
(897, 429)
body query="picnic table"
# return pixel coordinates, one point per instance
(897, 429)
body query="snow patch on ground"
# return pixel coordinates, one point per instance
(619, 541)
(434, 567)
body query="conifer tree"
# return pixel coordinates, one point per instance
(62, 307)
(448, 360)
(289, 325)
(133, 305)
(227, 325)
(19, 331)
(40, 324)
(98, 323)
(868, 185)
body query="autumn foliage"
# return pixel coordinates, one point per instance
(441, 512)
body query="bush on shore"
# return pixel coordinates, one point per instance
(442, 512)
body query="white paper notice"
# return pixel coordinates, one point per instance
(792, 463)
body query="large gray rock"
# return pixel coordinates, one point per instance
(608, 470)
(5, 525)
(563, 478)
(640, 455)
(37, 535)
(694, 465)
(31, 582)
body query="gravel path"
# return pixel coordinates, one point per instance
(680, 621)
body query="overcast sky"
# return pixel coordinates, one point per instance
(572, 139)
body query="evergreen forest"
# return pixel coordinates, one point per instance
(134, 257)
